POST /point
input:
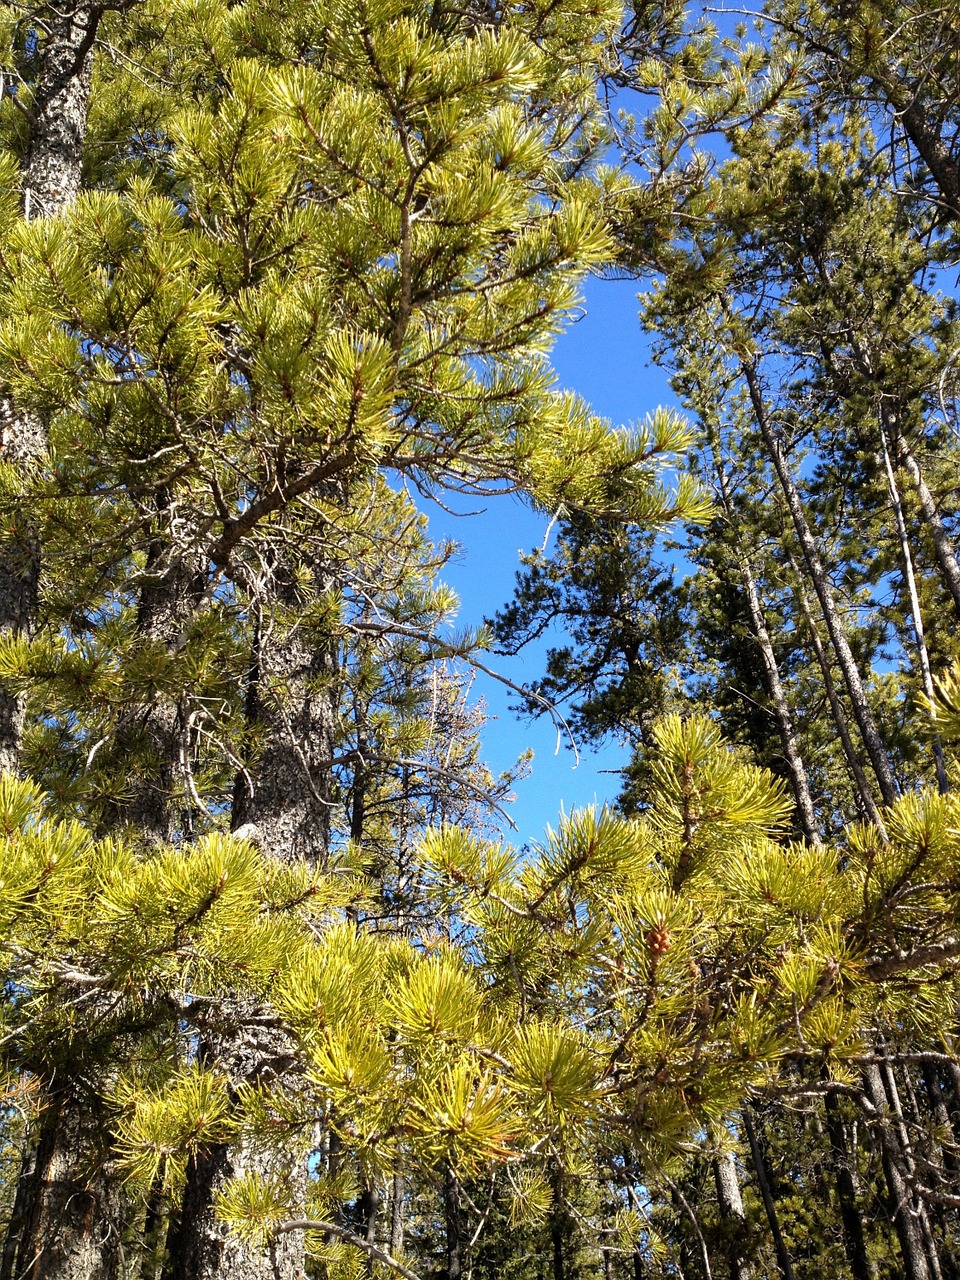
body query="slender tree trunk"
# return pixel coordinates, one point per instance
(920, 127)
(848, 1194)
(453, 1221)
(370, 1214)
(156, 1221)
(396, 1216)
(731, 1211)
(910, 581)
(821, 585)
(945, 1140)
(906, 1217)
(864, 792)
(784, 1261)
(943, 547)
(20, 1209)
(781, 707)
(910, 1165)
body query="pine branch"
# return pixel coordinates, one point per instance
(349, 1237)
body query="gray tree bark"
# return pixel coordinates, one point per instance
(731, 1211)
(821, 584)
(906, 1213)
(784, 1261)
(781, 707)
(66, 1224)
(943, 547)
(910, 581)
(864, 795)
(848, 1194)
(284, 801)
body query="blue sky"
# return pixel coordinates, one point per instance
(604, 357)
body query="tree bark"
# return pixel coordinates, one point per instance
(943, 547)
(286, 798)
(396, 1216)
(200, 1245)
(784, 1261)
(863, 790)
(731, 1211)
(906, 1217)
(282, 803)
(781, 707)
(910, 581)
(51, 179)
(821, 585)
(155, 733)
(910, 1165)
(453, 1222)
(66, 1224)
(69, 1227)
(848, 1194)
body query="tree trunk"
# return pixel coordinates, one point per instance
(910, 581)
(69, 1228)
(370, 1213)
(283, 805)
(863, 790)
(784, 1261)
(286, 800)
(51, 179)
(731, 1211)
(155, 733)
(945, 1142)
(910, 1165)
(821, 585)
(848, 1194)
(781, 707)
(396, 1216)
(916, 1264)
(200, 1245)
(453, 1222)
(943, 548)
(66, 1222)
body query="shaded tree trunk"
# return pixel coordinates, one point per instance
(906, 1216)
(910, 581)
(781, 707)
(848, 1194)
(70, 1214)
(283, 805)
(869, 732)
(51, 179)
(65, 1225)
(453, 1223)
(784, 1261)
(864, 792)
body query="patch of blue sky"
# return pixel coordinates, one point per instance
(605, 358)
